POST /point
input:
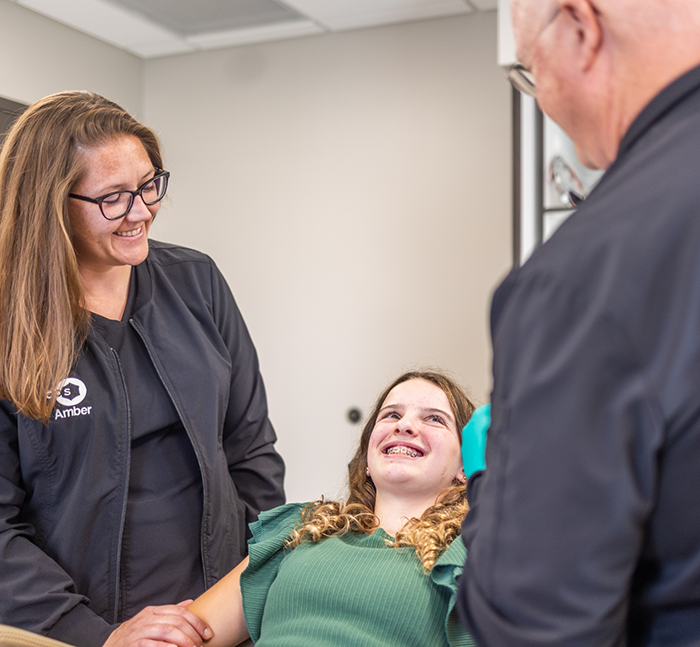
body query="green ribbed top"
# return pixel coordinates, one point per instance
(347, 590)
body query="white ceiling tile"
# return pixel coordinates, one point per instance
(107, 22)
(153, 49)
(344, 14)
(272, 32)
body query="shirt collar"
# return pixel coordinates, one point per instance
(662, 103)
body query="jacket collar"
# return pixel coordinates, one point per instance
(144, 281)
(662, 103)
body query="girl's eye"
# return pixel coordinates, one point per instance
(436, 418)
(391, 414)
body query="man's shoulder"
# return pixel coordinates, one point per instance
(642, 215)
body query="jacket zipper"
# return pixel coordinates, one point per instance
(205, 497)
(117, 590)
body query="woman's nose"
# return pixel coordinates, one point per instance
(405, 426)
(139, 210)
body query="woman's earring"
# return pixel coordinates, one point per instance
(367, 470)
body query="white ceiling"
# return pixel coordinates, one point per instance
(151, 28)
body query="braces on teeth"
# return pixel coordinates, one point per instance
(402, 450)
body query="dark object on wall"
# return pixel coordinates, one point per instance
(354, 415)
(9, 111)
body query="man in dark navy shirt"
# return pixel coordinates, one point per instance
(585, 525)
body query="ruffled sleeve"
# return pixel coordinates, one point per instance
(266, 552)
(445, 574)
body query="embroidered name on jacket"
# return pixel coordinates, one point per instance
(73, 411)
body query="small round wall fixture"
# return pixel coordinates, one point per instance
(354, 415)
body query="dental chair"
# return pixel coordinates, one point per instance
(13, 637)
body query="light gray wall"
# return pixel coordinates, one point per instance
(39, 56)
(355, 190)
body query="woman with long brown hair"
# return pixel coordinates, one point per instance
(135, 444)
(378, 569)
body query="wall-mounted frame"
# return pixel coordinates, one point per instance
(547, 177)
(527, 177)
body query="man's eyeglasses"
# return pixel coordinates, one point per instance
(522, 79)
(117, 204)
(520, 76)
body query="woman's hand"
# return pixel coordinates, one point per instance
(161, 626)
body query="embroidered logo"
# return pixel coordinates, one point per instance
(71, 392)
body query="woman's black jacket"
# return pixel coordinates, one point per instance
(63, 487)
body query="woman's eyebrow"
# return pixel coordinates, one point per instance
(392, 406)
(113, 188)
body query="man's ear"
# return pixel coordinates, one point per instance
(583, 20)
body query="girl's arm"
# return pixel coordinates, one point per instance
(221, 607)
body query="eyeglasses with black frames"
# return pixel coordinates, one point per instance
(522, 79)
(117, 204)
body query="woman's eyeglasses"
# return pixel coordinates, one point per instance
(117, 204)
